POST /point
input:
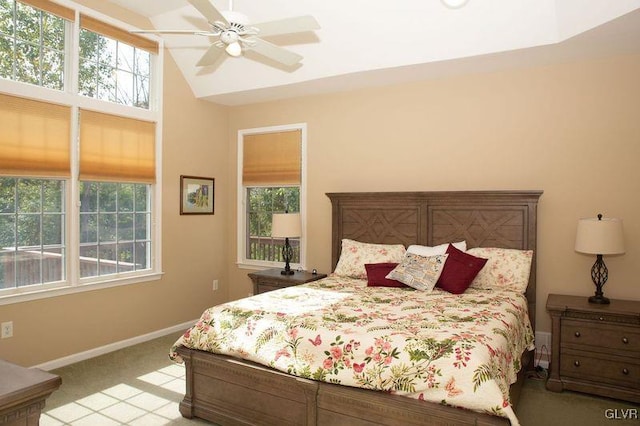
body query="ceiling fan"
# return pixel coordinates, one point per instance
(234, 34)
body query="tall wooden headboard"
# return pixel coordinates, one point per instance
(481, 218)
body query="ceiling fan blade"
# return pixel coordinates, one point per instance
(287, 26)
(208, 10)
(189, 32)
(273, 52)
(210, 56)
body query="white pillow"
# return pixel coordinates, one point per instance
(432, 251)
(506, 269)
(419, 272)
(355, 255)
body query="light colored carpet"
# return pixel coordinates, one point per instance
(538, 407)
(139, 385)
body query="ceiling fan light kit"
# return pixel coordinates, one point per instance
(235, 34)
(234, 49)
(454, 4)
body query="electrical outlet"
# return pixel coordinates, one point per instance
(7, 329)
(215, 285)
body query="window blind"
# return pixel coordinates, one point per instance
(116, 149)
(35, 137)
(115, 33)
(53, 8)
(272, 158)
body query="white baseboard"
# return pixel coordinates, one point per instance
(91, 353)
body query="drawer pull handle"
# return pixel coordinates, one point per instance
(625, 371)
(576, 363)
(601, 318)
(625, 340)
(577, 334)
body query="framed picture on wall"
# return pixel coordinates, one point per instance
(196, 195)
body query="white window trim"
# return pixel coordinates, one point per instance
(73, 284)
(242, 261)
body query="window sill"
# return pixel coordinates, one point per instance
(43, 293)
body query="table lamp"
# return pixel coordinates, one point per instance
(286, 225)
(599, 236)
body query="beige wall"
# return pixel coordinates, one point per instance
(193, 250)
(572, 130)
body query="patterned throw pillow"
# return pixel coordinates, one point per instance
(506, 269)
(355, 255)
(419, 272)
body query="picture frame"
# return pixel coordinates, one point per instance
(197, 195)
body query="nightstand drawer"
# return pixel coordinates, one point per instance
(263, 288)
(615, 370)
(600, 335)
(605, 317)
(269, 282)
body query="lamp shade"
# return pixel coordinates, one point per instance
(600, 236)
(286, 225)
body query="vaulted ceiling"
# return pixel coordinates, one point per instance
(363, 43)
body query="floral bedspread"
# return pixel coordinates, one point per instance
(461, 350)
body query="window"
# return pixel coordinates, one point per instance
(271, 180)
(78, 195)
(115, 214)
(262, 203)
(115, 228)
(32, 232)
(34, 141)
(32, 43)
(114, 66)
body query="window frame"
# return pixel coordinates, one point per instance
(242, 201)
(69, 96)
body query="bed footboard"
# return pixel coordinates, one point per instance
(229, 392)
(342, 406)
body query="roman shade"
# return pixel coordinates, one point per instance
(272, 159)
(115, 33)
(53, 8)
(117, 149)
(35, 137)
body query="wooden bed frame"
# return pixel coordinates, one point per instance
(229, 391)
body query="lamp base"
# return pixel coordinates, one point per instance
(599, 276)
(600, 300)
(287, 254)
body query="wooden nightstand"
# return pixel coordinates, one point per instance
(271, 279)
(595, 348)
(23, 392)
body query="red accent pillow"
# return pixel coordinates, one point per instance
(459, 270)
(376, 273)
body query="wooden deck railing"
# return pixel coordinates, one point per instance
(33, 267)
(267, 248)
